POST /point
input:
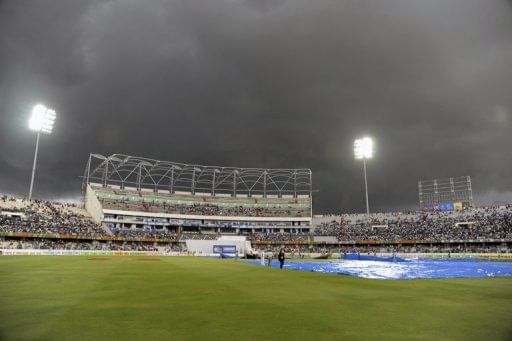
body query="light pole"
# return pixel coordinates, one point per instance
(41, 121)
(363, 149)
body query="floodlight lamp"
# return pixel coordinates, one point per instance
(363, 148)
(42, 119)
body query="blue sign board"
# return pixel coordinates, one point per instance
(446, 206)
(442, 207)
(224, 249)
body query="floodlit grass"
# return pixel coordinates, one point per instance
(75, 298)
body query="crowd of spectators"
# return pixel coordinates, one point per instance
(60, 244)
(44, 217)
(203, 209)
(199, 236)
(331, 228)
(278, 236)
(137, 233)
(175, 247)
(478, 224)
(49, 218)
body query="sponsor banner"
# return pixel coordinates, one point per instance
(442, 207)
(285, 242)
(40, 252)
(224, 249)
(446, 207)
(73, 237)
(51, 252)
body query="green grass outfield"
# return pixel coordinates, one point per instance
(133, 298)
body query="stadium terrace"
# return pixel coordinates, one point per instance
(125, 191)
(127, 219)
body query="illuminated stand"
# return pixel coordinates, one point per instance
(363, 149)
(41, 121)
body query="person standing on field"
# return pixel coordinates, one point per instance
(280, 257)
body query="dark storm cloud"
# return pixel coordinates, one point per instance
(264, 84)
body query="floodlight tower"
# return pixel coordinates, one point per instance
(41, 121)
(363, 149)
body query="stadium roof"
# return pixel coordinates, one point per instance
(139, 172)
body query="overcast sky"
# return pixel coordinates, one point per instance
(262, 83)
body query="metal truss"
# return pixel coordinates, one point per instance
(434, 192)
(138, 172)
